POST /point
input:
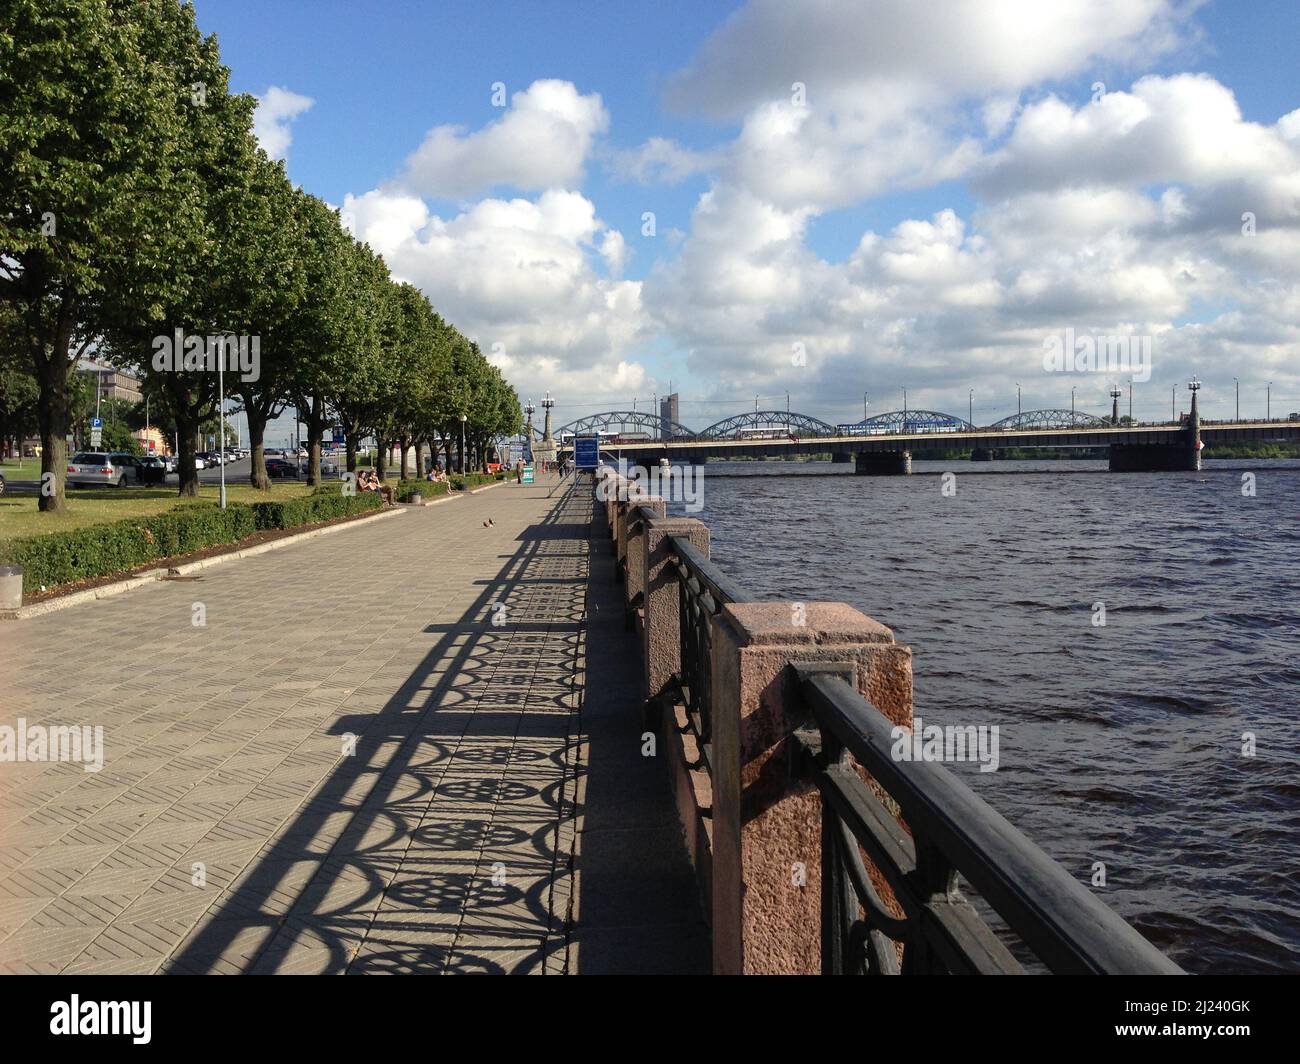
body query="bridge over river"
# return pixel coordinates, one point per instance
(538, 730)
(883, 445)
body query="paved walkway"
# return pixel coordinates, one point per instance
(412, 746)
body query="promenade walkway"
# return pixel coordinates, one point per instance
(412, 746)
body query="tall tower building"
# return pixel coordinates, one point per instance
(669, 411)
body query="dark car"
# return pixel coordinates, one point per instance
(278, 467)
(150, 470)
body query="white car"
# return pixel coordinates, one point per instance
(199, 463)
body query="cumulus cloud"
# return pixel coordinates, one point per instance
(542, 141)
(520, 277)
(836, 48)
(276, 109)
(1121, 214)
(662, 161)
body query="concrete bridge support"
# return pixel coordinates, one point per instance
(883, 464)
(842, 457)
(983, 454)
(1183, 454)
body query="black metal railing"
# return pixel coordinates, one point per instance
(705, 589)
(950, 831)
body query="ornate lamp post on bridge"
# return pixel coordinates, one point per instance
(1115, 393)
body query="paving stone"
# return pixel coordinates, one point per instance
(352, 752)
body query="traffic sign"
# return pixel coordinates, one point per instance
(586, 452)
(96, 422)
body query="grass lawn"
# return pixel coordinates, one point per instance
(20, 517)
(21, 468)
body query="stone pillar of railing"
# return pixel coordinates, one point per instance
(635, 525)
(766, 881)
(661, 641)
(662, 638)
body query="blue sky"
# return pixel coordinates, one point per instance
(884, 290)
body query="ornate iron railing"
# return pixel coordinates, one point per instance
(950, 831)
(705, 589)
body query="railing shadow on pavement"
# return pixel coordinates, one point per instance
(388, 866)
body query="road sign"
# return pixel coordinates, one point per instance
(96, 422)
(586, 452)
(96, 435)
(528, 475)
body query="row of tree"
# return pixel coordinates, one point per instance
(136, 202)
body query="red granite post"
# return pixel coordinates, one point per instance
(767, 823)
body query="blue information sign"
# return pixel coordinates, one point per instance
(586, 452)
(96, 422)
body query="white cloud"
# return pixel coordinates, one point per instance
(541, 141)
(838, 48)
(276, 109)
(520, 274)
(660, 160)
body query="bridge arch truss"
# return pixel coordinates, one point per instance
(1050, 419)
(624, 420)
(760, 421)
(903, 422)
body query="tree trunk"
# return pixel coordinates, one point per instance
(381, 459)
(257, 447)
(52, 377)
(352, 440)
(187, 427)
(419, 459)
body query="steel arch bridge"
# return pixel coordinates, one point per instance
(641, 420)
(902, 422)
(782, 422)
(1050, 419)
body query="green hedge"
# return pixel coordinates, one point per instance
(324, 504)
(430, 489)
(470, 481)
(55, 558)
(99, 550)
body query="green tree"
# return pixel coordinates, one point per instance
(91, 208)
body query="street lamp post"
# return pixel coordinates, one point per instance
(463, 419)
(1236, 384)
(1268, 401)
(1017, 398)
(1072, 388)
(970, 407)
(1130, 400)
(864, 406)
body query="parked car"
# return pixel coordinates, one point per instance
(199, 463)
(151, 470)
(212, 458)
(169, 462)
(88, 468)
(278, 467)
(2, 483)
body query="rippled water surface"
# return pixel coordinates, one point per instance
(1123, 743)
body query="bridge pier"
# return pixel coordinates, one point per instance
(983, 454)
(841, 457)
(1182, 455)
(883, 463)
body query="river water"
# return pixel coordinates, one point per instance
(1119, 743)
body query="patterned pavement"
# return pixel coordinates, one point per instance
(370, 758)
